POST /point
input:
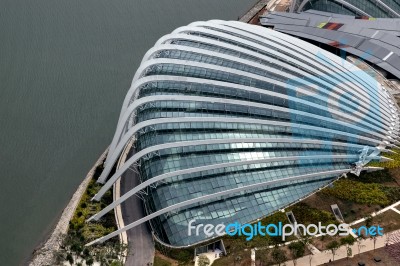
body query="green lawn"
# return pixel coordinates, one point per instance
(161, 262)
(389, 165)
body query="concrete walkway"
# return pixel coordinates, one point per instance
(362, 246)
(141, 246)
(140, 241)
(391, 207)
(324, 257)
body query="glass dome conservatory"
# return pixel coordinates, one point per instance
(229, 122)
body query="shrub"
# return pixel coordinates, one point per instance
(381, 176)
(116, 263)
(278, 256)
(161, 262)
(393, 164)
(89, 261)
(364, 193)
(203, 260)
(297, 249)
(90, 231)
(392, 193)
(333, 247)
(306, 215)
(70, 259)
(182, 255)
(348, 240)
(273, 219)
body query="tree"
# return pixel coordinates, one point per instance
(59, 257)
(202, 260)
(333, 247)
(297, 250)
(348, 241)
(246, 261)
(76, 248)
(306, 239)
(278, 255)
(349, 252)
(310, 258)
(70, 259)
(120, 249)
(116, 263)
(235, 248)
(89, 261)
(237, 259)
(262, 256)
(374, 240)
(101, 257)
(368, 221)
(86, 253)
(359, 244)
(387, 238)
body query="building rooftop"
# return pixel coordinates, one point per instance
(232, 122)
(377, 41)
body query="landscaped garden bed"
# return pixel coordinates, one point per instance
(356, 196)
(73, 249)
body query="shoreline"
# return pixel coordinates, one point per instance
(116, 195)
(44, 253)
(251, 15)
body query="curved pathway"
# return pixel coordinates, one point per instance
(140, 241)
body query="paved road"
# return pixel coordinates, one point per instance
(141, 246)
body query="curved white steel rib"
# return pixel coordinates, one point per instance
(212, 196)
(367, 114)
(334, 63)
(144, 100)
(289, 44)
(339, 90)
(210, 167)
(388, 8)
(272, 34)
(360, 110)
(307, 57)
(113, 157)
(295, 59)
(151, 149)
(137, 103)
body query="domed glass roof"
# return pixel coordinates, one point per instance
(230, 122)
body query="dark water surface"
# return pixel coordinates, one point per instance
(65, 66)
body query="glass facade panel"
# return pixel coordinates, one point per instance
(216, 127)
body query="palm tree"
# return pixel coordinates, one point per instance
(262, 256)
(359, 244)
(310, 258)
(297, 250)
(333, 247)
(278, 255)
(374, 240)
(202, 260)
